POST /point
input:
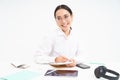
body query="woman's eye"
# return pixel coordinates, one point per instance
(58, 18)
(66, 16)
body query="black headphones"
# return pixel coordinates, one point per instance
(101, 72)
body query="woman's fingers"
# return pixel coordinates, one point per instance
(64, 59)
(61, 59)
(71, 64)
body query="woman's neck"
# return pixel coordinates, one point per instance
(67, 32)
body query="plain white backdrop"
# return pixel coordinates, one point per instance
(23, 24)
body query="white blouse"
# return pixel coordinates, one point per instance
(57, 44)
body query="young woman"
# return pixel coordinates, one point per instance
(62, 45)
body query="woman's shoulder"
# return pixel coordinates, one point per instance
(75, 32)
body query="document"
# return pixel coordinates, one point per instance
(60, 63)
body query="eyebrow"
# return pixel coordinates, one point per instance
(63, 15)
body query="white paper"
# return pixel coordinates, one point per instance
(60, 63)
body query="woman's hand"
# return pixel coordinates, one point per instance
(71, 64)
(64, 59)
(61, 59)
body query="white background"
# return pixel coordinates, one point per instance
(23, 23)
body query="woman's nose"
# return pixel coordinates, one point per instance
(63, 20)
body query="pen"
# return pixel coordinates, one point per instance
(50, 72)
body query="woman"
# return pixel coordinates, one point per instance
(62, 45)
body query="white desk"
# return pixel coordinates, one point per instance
(84, 74)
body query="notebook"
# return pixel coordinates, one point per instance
(22, 75)
(71, 73)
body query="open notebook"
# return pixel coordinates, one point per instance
(71, 73)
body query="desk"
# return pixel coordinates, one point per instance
(84, 74)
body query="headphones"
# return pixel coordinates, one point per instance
(101, 72)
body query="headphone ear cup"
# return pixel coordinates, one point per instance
(100, 71)
(97, 72)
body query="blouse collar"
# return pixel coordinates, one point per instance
(60, 32)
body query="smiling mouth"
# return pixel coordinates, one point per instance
(64, 25)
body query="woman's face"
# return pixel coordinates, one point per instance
(64, 19)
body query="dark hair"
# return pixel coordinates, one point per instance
(62, 7)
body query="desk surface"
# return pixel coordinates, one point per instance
(84, 74)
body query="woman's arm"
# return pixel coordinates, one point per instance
(42, 54)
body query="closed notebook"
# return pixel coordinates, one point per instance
(71, 73)
(22, 75)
